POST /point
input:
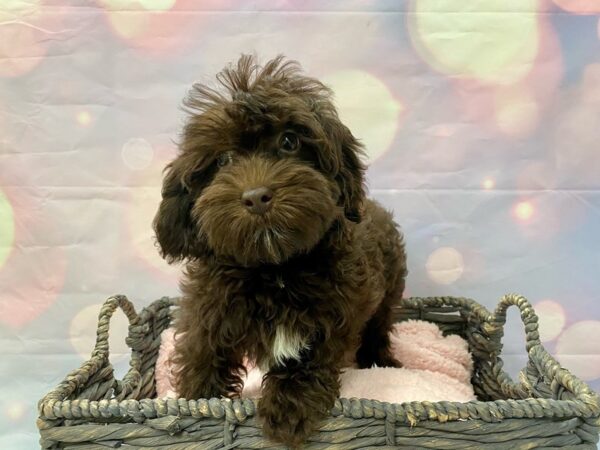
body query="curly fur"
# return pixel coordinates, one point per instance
(304, 289)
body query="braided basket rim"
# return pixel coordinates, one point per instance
(55, 406)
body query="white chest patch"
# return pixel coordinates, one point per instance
(287, 345)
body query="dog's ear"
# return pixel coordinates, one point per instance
(173, 226)
(351, 170)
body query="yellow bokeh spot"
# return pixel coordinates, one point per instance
(7, 228)
(367, 107)
(18, 9)
(523, 211)
(15, 410)
(84, 118)
(493, 41)
(148, 5)
(131, 18)
(127, 17)
(157, 5)
(488, 184)
(516, 111)
(129, 24)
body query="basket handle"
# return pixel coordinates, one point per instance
(495, 329)
(104, 316)
(528, 316)
(131, 380)
(77, 378)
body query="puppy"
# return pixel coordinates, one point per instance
(288, 264)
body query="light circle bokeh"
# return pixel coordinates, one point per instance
(82, 332)
(488, 184)
(578, 348)
(445, 265)
(523, 211)
(552, 319)
(367, 107)
(84, 118)
(492, 41)
(137, 153)
(7, 228)
(15, 410)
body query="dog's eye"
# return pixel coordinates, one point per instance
(289, 142)
(224, 159)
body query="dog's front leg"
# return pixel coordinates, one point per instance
(296, 396)
(207, 367)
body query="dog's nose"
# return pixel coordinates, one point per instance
(257, 201)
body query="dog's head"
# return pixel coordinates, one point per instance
(264, 170)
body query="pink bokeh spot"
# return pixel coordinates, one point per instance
(27, 30)
(33, 278)
(20, 48)
(579, 6)
(33, 275)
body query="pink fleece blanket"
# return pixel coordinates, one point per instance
(435, 368)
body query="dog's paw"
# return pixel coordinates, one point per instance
(386, 359)
(288, 421)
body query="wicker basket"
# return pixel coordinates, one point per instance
(547, 408)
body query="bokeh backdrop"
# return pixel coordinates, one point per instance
(481, 119)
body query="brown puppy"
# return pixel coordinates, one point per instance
(287, 262)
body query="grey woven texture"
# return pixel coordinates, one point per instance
(547, 408)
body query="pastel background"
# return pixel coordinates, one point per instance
(481, 119)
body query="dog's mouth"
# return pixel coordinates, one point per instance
(301, 208)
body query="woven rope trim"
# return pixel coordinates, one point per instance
(236, 411)
(585, 403)
(333, 434)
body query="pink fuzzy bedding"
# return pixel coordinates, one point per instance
(435, 368)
